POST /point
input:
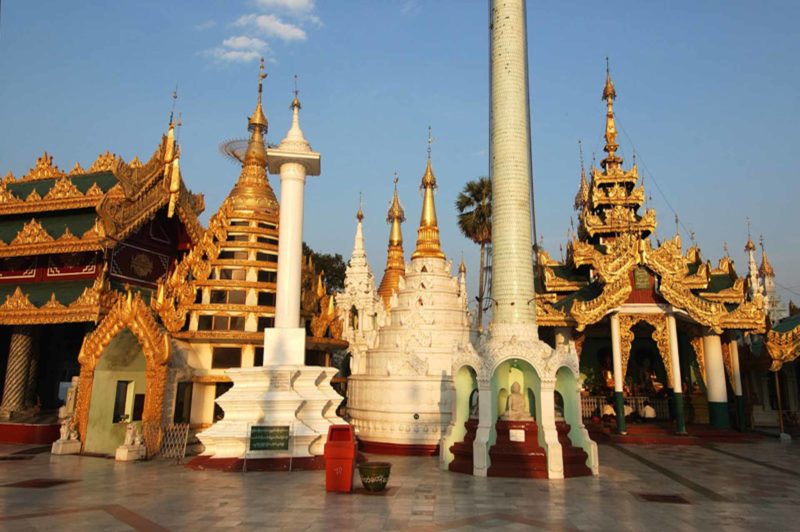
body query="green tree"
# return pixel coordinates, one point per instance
(474, 206)
(332, 264)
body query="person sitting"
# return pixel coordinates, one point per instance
(608, 412)
(647, 412)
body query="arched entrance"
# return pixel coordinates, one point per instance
(118, 394)
(457, 449)
(130, 314)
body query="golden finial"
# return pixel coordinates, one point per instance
(174, 101)
(609, 94)
(750, 246)
(582, 197)
(395, 259)
(766, 268)
(428, 232)
(296, 101)
(677, 225)
(257, 119)
(360, 212)
(462, 268)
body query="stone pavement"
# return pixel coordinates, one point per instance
(719, 487)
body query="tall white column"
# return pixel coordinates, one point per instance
(737, 384)
(677, 382)
(512, 252)
(715, 381)
(619, 375)
(290, 246)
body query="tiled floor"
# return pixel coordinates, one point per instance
(727, 487)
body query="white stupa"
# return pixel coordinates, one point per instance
(399, 392)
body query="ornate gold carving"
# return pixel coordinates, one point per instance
(53, 303)
(660, 335)
(6, 196)
(135, 163)
(9, 178)
(33, 196)
(44, 169)
(67, 236)
(697, 344)
(105, 162)
(63, 189)
(77, 170)
(94, 191)
(32, 233)
(130, 313)
(17, 301)
(783, 347)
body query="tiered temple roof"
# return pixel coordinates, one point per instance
(612, 260)
(64, 236)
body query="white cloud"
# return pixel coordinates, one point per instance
(294, 6)
(243, 42)
(208, 24)
(238, 49)
(272, 26)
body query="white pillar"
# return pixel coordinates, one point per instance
(715, 381)
(619, 373)
(512, 252)
(737, 374)
(487, 414)
(290, 246)
(674, 354)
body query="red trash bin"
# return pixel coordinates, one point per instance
(340, 458)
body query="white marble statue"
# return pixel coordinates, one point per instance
(130, 433)
(516, 411)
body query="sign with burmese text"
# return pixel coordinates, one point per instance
(269, 438)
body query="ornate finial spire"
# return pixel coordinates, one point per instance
(725, 249)
(253, 191)
(462, 268)
(296, 101)
(295, 141)
(750, 246)
(395, 259)
(609, 95)
(174, 101)
(360, 212)
(677, 225)
(582, 197)
(428, 232)
(766, 268)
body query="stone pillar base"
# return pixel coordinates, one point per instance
(619, 407)
(66, 447)
(130, 453)
(718, 415)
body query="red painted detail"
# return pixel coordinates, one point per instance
(396, 449)
(517, 459)
(574, 457)
(29, 433)
(462, 451)
(644, 295)
(201, 463)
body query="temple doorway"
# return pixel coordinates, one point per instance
(118, 393)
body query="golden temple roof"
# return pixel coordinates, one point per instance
(428, 232)
(765, 269)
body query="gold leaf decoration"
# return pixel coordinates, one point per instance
(44, 169)
(6, 196)
(32, 233)
(9, 178)
(64, 188)
(67, 236)
(135, 162)
(17, 301)
(33, 196)
(53, 303)
(77, 170)
(103, 163)
(93, 191)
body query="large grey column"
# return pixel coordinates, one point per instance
(19, 355)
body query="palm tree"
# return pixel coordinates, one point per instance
(474, 205)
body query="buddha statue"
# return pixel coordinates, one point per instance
(516, 411)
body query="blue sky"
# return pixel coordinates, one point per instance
(707, 94)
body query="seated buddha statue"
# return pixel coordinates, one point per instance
(516, 411)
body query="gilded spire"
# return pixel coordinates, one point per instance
(252, 190)
(395, 258)
(582, 197)
(749, 246)
(766, 268)
(609, 95)
(428, 232)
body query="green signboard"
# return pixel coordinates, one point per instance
(269, 438)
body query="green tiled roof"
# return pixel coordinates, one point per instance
(104, 180)
(587, 293)
(39, 293)
(719, 282)
(787, 324)
(568, 274)
(53, 222)
(693, 267)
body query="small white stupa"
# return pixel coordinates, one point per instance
(399, 395)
